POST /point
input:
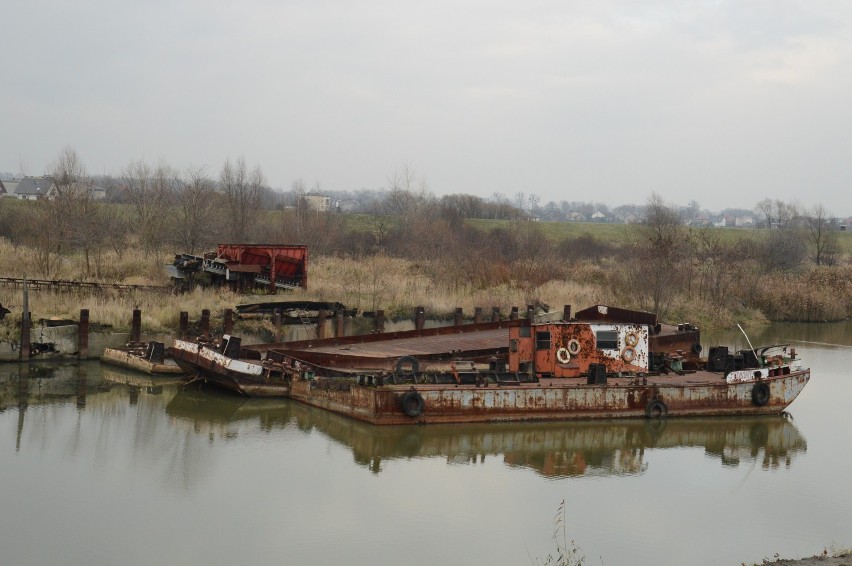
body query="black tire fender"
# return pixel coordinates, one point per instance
(696, 348)
(760, 394)
(656, 409)
(412, 403)
(407, 365)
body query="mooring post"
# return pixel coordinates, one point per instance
(276, 323)
(25, 336)
(83, 334)
(205, 322)
(419, 318)
(321, 324)
(184, 325)
(136, 327)
(477, 315)
(530, 312)
(26, 319)
(380, 321)
(514, 314)
(457, 320)
(338, 319)
(228, 321)
(495, 314)
(566, 312)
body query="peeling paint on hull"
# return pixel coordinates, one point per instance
(555, 399)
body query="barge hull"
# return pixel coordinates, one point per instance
(550, 401)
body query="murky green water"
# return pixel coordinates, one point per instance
(100, 467)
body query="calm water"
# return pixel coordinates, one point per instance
(100, 467)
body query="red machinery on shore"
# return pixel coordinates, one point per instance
(243, 266)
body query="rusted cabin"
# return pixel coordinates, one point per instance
(620, 340)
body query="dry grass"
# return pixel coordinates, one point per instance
(398, 286)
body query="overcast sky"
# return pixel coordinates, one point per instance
(725, 103)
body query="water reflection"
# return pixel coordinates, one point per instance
(187, 419)
(551, 449)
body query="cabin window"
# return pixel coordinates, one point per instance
(524, 332)
(606, 339)
(542, 340)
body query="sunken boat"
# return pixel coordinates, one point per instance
(605, 362)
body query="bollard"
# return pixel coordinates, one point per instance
(380, 321)
(136, 327)
(457, 321)
(184, 325)
(566, 312)
(495, 314)
(477, 315)
(530, 312)
(276, 323)
(25, 337)
(228, 322)
(419, 318)
(205, 322)
(514, 314)
(83, 335)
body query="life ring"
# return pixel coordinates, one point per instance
(696, 348)
(563, 356)
(573, 346)
(412, 403)
(760, 394)
(628, 354)
(656, 409)
(631, 339)
(407, 365)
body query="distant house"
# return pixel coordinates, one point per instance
(9, 188)
(315, 201)
(845, 225)
(35, 188)
(598, 216)
(631, 219)
(576, 217)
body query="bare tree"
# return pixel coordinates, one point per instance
(242, 189)
(195, 212)
(822, 236)
(661, 249)
(78, 218)
(150, 192)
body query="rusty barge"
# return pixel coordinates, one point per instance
(603, 363)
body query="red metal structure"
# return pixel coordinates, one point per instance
(248, 265)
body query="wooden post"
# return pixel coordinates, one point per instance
(83, 335)
(338, 318)
(81, 386)
(419, 318)
(380, 321)
(184, 325)
(477, 315)
(205, 322)
(228, 321)
(566, 312)
(495, 314)
(530, 312)
(514, 314)
(26, 320)
(276, 322)
(136, 327)
(321, 324)
(25, 337)
(457, 320)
